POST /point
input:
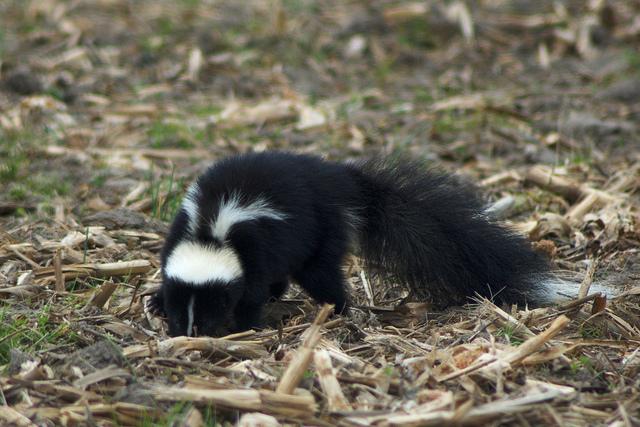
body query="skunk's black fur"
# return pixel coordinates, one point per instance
(296, 217)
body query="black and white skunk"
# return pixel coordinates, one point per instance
(253, 222)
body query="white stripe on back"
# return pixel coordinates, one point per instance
(231, 212)
(196, 264)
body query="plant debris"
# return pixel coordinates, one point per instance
(108, 109)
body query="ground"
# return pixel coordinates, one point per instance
(108, 109)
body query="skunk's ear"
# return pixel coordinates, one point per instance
(155, 305)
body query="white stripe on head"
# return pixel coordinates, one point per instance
(190, 315)
(190, 206)
(198, 265)
(231, 212)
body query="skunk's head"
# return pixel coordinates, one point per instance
(203, 279)
(201, 287)
(202, 309)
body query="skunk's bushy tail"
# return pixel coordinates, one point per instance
(428, 229)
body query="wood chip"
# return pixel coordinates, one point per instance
(330, 386)
(295, 371)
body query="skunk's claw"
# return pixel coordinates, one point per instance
(155, 305)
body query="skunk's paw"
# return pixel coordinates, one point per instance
(155, 305)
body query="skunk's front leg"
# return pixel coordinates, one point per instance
(248, 315)
(278, 289)
(322, 275)
(325, 283)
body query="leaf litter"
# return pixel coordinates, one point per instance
(126, 102)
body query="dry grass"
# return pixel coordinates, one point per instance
(109, 108)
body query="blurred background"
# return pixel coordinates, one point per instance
(109, 108)
(102, 97)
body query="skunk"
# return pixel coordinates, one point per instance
(253, 222)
